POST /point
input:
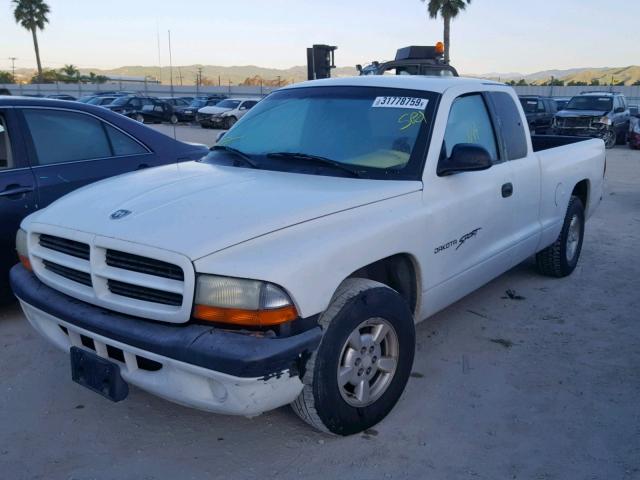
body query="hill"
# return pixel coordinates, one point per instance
(606, 75)
(211, 74)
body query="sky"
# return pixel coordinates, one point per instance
(490, 36)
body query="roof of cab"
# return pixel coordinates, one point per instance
(412, 82)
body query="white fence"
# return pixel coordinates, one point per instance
(142, 88)
(78, 90)
(632, 93)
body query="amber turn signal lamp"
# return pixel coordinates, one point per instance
(25, 262)
(439, 48)
(245, 318)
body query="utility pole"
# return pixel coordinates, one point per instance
(180, 75)
(13, 68)
(159, 59)
(170, 64)
(278, 81)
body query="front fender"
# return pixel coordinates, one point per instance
(311, 259)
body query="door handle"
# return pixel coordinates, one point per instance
(507, 190)
(142, 166)
(12, 190)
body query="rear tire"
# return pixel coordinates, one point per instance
(369, 344)
(173, 119)
(560, 258)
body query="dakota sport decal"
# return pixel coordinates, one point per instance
(457, 242)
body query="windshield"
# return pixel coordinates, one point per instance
(121, 101)
(588, 102)
(379, 132)
(228, 104)
(529, 105)
(197, 103)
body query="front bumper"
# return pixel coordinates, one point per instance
(193, 365)
(580, 131)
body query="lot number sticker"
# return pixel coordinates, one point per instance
(401, 102)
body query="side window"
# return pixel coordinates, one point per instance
(249, 105)
(62, 136)
(469, 122)
(510, 125)
(541, 106)
(6, 159)
(135, 103)
(123, 144)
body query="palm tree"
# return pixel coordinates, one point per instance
(448, 10)
(32, 16)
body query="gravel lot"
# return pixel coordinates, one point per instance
(545, 386)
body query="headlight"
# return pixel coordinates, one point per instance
(237, 301)
(603, 120)
(23, 249)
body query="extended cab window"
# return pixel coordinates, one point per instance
(514, 140)
(61, 136)
(469, 122)
(6, 161)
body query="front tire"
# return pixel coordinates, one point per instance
(139, 118)
(229, 122)
(357, 374)
(560, 258)
(610, 138)
(173, 119)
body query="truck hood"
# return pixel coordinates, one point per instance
(197, 209)
(580, 113)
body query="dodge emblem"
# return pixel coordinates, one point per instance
(118, 214)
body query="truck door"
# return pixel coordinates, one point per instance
(17, 190)
(470, 225)
(524, 174)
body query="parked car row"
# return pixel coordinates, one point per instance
(604, 115)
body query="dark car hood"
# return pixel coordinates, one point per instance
(580, 113)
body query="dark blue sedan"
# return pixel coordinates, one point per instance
(51, 147)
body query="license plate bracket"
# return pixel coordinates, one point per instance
(98, 374)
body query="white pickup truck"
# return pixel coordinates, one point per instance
(290, 264)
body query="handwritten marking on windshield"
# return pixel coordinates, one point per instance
(410, 119)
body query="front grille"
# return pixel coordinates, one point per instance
(144, 293)
(69, 273)
(576, 122)
(151, 283)
(66, 246)
(150, 266)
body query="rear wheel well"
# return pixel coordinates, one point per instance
(398, 272)
(581, 190)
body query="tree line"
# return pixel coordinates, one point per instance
(554, 82)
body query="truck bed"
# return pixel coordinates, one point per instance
(545, 142)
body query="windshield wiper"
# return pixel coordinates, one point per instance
(316, 159)
(241, 155)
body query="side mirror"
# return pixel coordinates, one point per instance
(619, 110)
(465, 157)
(220, 135)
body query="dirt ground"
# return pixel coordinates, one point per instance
(544, 385)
